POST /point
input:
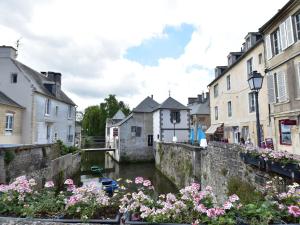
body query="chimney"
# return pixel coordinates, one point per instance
(191, 100)
(200, 98)
(8, 52)
(56, 77)
(152, 96)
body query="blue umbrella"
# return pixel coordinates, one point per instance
(201, 137)
(192, 136)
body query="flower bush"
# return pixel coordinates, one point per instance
(269, 154)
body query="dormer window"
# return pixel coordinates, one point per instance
(14, 78)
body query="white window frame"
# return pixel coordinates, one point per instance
(9, 123)
(47, 107)
(216, 90)
(48, 132)
(297, 32)
(228, 82)
(277, 31)
(229, 108)
(216, 113)
(252, 108)
(249, 66)
(70, 111)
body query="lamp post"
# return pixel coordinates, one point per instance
(255, 81)
(174, 136)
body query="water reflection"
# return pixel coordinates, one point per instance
(126, 171)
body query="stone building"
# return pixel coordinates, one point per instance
(232, 104)
(199, 113)
(10, 121)
(49, 114)
(171, 118)
(132, 137)
(282, 47)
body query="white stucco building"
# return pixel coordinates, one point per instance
(169, 118)
(49, 114)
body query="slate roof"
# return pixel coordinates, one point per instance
(147, 105)
(171, 103)
(8, 101)
(119, 115)
(199, 108)
(40, 79)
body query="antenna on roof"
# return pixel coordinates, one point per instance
(169, 93)
(18, 45)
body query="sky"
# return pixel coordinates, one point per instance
(130, 48)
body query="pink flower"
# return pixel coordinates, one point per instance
(71, 187)
(233, 198)
(208, 188)
(69, 182)
(139, 180)
(211, 213)
(227, 205)
(201, 208)
(196, 186)
(196, 222)
(147, 183)
(49, 184)
(294, 210)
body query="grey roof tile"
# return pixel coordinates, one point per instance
(199, 108)
(40, 79)
(147, 105)
(5, 100)
(171, 103)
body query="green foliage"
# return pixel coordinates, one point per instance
(66, 149)
(8, 157)
(244, 190)
(94, 118)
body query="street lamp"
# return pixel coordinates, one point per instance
(174, 136)
(255, 81)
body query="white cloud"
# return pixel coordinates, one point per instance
(86, 40)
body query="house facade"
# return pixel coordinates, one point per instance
(49, 114)
(199, 114)
(232, 104)
(171, 118)
(132, 137)
(282, 58)
(10, 121)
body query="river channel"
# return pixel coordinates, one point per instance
(114, 170)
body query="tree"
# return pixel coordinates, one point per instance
(94, 118)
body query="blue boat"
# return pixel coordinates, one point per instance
(108, 184)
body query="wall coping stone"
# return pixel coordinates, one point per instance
(226, 145)
(186, 146)
(26, 147)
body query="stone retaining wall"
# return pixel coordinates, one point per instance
(40, 162)
(213, 166)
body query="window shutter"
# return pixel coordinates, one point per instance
(289, 31)
(282, 91)
(138, 131)
(283, 38)
(268, 47)
(271, 89)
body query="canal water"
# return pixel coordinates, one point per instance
(114, 170)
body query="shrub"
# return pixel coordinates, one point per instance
(8, 157)
(66, 149)
(244, 190)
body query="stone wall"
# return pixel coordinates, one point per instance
(179, 162)
(213, 166)
(41, 162)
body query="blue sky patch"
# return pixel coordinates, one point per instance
(170, 45)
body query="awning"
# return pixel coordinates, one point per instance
(213, 128)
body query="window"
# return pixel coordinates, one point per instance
(136, 131)
(277, 88)
(175, 116)
(70, 111)
(275, 42)
(245, 133)
(216, 90)
(48, 106)
(298, 70)
(228, 82)
(14, 78)
(56, 110)
(248, 43)
(260, 58)
(150, 140)
(249, 66)
(48, 132)
(9, 124)
(297, 25)
(285, 133)
(229, 109)
(70, 136)
(216, 113)
(251, 102)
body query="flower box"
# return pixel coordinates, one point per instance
(290, 169)
(130, 221)
(116, 220)
(253, 160)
